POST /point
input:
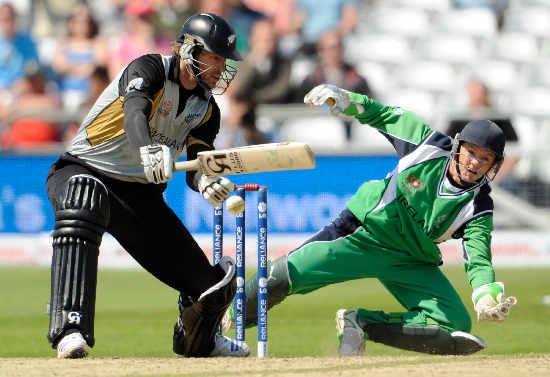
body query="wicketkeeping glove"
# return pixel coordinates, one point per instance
(215, 189)
(490, 302)
(338, 99)
(157, 162)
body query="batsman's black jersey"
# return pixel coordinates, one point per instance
(145, 104)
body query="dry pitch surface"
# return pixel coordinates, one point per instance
(533, 365)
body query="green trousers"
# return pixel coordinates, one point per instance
(422, 289)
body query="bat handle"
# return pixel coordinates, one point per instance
(187, 165)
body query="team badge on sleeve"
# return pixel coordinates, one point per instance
(135, 84)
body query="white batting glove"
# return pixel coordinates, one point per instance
(215, 189)
(337, 99)
(157, 162)
(490, 302)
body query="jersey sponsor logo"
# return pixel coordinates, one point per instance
(160, 138)
(165, 109)
(413, 212)
(135, 84)
(191, 117)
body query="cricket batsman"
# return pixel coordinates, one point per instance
(391, 228)
(112, 179)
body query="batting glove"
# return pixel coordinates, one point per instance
(490, 302)
(338, 100)
(157, 163)
(215, 189)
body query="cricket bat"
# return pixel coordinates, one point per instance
(251, 159)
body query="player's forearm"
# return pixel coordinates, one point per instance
(394, 121)
(136, 122)
(477, 249)
(192, 177)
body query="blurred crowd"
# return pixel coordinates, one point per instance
(57, 56)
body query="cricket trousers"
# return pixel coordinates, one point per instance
(345, 250)
(144, 225)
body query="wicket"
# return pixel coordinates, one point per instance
(240, 260)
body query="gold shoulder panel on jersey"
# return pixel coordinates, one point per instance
(156, 102)
(193, 140)
(207, 115)
(109, 123)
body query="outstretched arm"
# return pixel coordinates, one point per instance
(488, 297)
(397, 124)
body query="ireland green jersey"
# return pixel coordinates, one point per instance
(416, 206)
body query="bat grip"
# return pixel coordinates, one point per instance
(187, 165)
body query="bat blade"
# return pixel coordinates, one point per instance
(252, 159)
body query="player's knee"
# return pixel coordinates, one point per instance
(83, 209)
(193, 332)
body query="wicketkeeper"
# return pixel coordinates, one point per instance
(391, 228)
(112, 179)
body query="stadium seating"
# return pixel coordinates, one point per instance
(437, 77)
(382, 48)
(319, 132)
(421, 102)
(533, 101)
(450, 48)
(479, 23)
(532, 20)
(499, 75)
(406, 22)
(516, 47)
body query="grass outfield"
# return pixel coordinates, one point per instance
(135, 314)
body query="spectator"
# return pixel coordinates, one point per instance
(238, 14)
(99, 80)
(333, 69)
(263, 78)
(139, 38)
(316, 17)
(281, 12)
(17, 50)
(76, 55)
(30, 118)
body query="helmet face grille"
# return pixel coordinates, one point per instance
(493, 170)
(225, 79)
(198, 68)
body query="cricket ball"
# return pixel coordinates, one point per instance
(235, 205)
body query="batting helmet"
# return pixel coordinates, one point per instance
(486, 134)
(210, 32)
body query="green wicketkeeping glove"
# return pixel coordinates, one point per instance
(490, 302)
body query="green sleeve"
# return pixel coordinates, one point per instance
(393, 121)
(477, 251)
